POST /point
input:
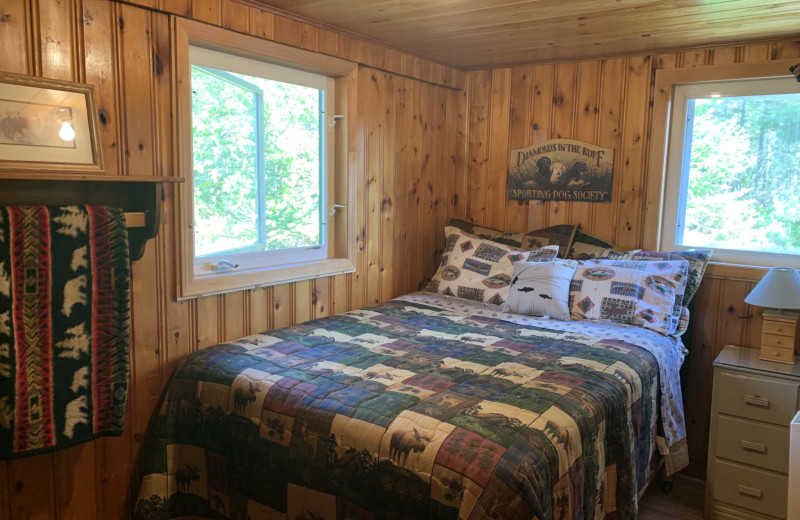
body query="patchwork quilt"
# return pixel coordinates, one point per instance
(407, 410)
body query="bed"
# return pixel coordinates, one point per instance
(425, 406)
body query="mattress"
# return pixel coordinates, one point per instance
(421, 407)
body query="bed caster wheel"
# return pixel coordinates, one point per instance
(666, 487)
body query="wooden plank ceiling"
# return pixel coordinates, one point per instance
(474, 34)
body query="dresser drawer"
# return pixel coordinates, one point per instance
(778, 327)
(774, 340)
(757, 444)
(757, 398)
(751, 488)
(781, 355)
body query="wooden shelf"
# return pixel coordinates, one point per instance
(140, 196)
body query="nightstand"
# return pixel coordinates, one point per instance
(752, 404)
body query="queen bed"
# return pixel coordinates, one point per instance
(425, 406)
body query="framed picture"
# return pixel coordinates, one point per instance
(48, 126)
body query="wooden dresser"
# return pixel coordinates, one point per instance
(748, 454)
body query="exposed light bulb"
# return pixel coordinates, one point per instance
(66, 133)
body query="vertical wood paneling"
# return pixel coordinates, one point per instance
(541, 112)
(261, 23)
(610, 136)
(14, 35)
(56, 39)
(321, 297)
(302, 301)
(427, 181)
(235, 16)
(285, 30)
(400, 205)
(562, 121)
(587, 112)
(516, 216)
(206, 11)
(631, 208)
(477, 170)
(497, 164)
(136, 89)
(69, 496)
(282, 305)
(259, 310)
(32, 488)
(388, 195)
(100, 44)
(413, 165)
(374, 164)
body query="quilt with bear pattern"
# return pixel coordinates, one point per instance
(406, 410)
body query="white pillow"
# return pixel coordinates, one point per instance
(542, 288)
(479, 269)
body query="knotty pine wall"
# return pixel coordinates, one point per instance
(424, 152)
(407, 144)
(608, 102)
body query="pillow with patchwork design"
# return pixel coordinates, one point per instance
(698, 261)
(542, 288)
(495, 235)
(648, 294)
(585, 247)
(560, 235)
(478, 269)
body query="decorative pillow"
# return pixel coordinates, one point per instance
(698, 261)
(480, 269)
(542, 288)
(683, 322)
(495, 235)
(585, 247)
(560, 236)
(633, 292)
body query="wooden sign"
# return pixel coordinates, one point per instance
(561, 169)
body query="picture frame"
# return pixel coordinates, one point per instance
(48, 125)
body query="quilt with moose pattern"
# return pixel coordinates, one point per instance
(413, 409)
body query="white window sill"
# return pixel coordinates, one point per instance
(237, 280)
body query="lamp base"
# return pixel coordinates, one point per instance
(778, 334)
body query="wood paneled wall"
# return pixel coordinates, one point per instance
(608, 102)
(423, 152)
(407, 144)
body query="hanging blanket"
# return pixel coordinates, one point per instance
(64, 331)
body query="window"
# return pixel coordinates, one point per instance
(266, 198)
(733, 170)
(258, 160)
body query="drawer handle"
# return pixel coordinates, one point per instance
(754, 446)
(749, 491)
(756, 400)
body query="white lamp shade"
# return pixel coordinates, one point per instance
(779, 289)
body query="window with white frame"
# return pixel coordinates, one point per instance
(266, 199)
(258, 161)
(733, 170)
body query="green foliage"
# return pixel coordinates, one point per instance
(743, 181)
(226, 163)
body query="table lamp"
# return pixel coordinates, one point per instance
(778, 291)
